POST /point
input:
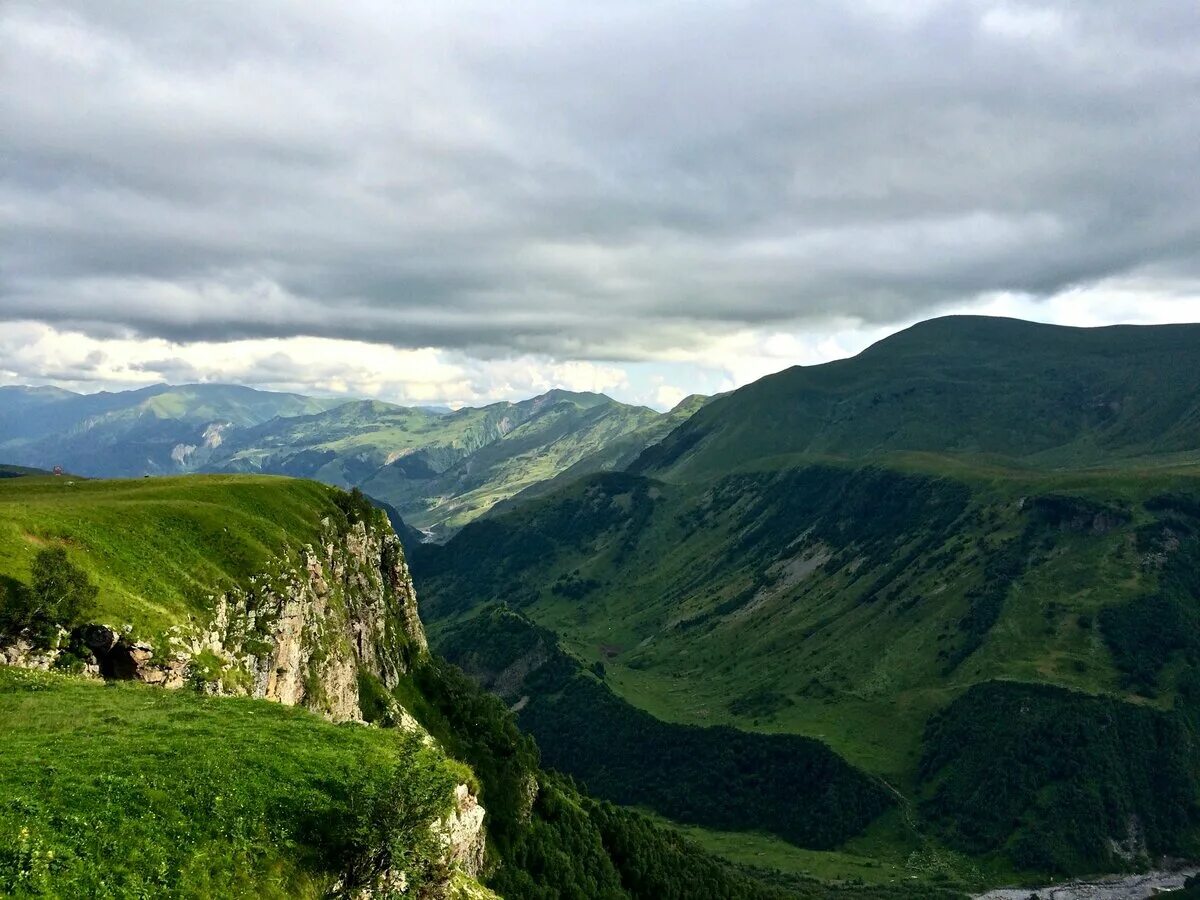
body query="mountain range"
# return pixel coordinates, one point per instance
(915, 623)
(438, 468)
(883, 553)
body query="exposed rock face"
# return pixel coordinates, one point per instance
(462, 833)
(297, 635)
(21, 652)
(302, 636)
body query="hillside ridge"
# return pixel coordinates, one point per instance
(1037, 395)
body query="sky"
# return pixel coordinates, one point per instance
(465, 202)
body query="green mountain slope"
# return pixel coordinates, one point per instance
(614, 454)
(155, 430)
(159, 549)
(846, 604)
(803, 562)
(443, 470)
(547, 440)
(781, 784)
(439, 469)
(1043, 395)
(129, 790)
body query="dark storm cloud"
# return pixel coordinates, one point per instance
(586, 180)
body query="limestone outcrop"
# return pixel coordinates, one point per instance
(297, 634)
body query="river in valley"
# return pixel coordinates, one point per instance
(1117, 887)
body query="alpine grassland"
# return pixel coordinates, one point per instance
(125, 790)
(159, 549)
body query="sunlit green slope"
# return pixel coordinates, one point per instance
(159, 548)
(133, 791)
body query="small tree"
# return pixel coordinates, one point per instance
(60, 595)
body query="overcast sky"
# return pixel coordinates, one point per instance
(460, 202)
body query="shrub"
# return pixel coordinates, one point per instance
(60, 596)
(382, 819)
(355, 506)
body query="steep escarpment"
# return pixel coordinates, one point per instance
(314, 626)
(301, 633)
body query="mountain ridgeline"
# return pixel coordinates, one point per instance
(972, 515)
(438, 468)
(1038, 395)
(911, 624)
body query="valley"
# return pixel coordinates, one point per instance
(591, 451)
(916, 623)
(799, 559)
(236, 620)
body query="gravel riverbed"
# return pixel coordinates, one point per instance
(1118, 887)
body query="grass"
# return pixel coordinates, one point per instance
(1044, 396)
(863, 676)
(889, 853)
(687, 594)
(158, 548)
(123, 790)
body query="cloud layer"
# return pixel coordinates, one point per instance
(625, 183)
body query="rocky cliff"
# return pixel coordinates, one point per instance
(307, 632)
(301, 633)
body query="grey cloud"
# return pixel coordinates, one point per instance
(583, 180)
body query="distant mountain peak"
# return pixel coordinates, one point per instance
(562, 395)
